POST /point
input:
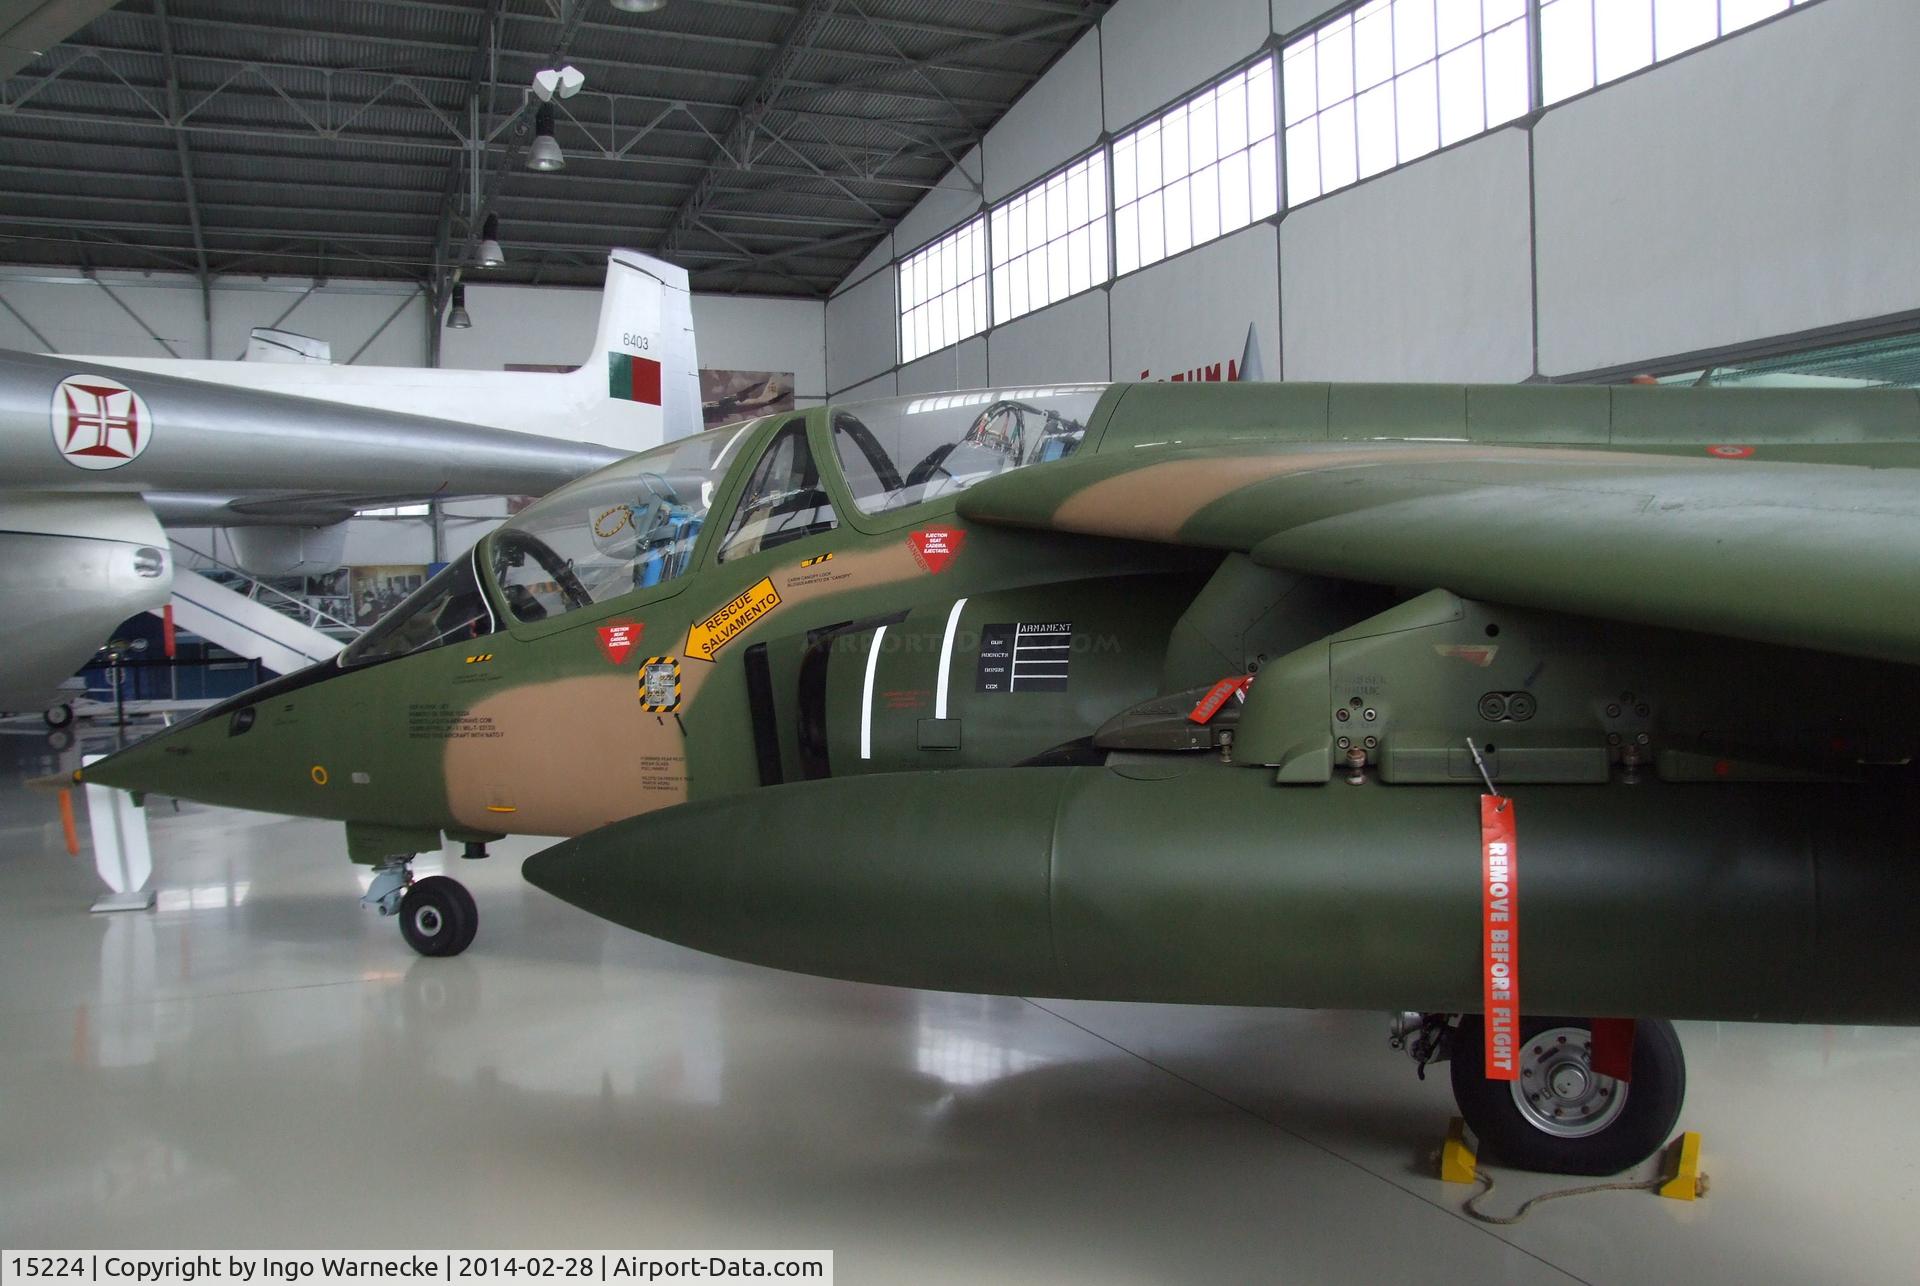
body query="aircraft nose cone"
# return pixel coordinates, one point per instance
(190, 760)
(152, 764)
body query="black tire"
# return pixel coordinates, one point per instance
(1642, 1121)
(438, 917)
(58, 715)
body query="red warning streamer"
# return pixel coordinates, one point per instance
(1500, 936)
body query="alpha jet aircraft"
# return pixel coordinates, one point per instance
(1221, 694)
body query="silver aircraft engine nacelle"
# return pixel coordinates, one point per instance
(72, 567)
(289, 551)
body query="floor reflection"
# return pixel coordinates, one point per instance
(260, 1060)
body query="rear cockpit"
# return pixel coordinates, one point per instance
(905, 450)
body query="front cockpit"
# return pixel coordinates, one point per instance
(631, 526)
(612, 546)
(449, 608)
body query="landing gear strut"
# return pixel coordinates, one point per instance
(1561, 1115)
(437, 915)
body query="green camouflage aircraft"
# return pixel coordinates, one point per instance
(1261, 694)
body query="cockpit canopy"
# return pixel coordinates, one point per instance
(447, 609)
(905, 450)
(627, 527)
(635, 524)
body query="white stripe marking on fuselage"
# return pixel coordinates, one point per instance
(866, 695)
(946, 659)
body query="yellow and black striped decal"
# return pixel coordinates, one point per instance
(816, 560)
(660, 684)
(478, 657)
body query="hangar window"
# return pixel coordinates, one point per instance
(943, 291)
(630, 526)
(1393, 80)
(1584, 43)
(1200, 171)
(783, 500)
(1050, 241)
(901, 451)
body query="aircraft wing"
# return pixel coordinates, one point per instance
(1816, 555)
(270, 454)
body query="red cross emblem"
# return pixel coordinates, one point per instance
(99, 423)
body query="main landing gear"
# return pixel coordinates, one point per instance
(1563, 1115)
(437, 915)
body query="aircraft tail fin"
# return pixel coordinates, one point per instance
(644, 348)
(269, 344)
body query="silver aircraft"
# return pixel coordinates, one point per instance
(97, 454)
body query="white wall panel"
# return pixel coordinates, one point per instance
(538, 325)
(347, 322)
(881, 256)
(344, 313)
(1192, 311)
(862, 332)
(1054, 121)
(1760, 187)
(1156, 52)
(964, 365)
(881, 387)
(974, 370)
(1065, 342)
(953, 202)
(1423, 274)
(84, 319)
(78, 316)
(745, 333)
(1291, 15)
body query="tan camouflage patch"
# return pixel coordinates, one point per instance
(1157, 501)
(574, 754)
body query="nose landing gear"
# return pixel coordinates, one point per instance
(437, 915)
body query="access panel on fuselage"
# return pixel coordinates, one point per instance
(986, 679)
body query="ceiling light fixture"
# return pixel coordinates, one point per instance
(564, 83)
(457, 318)
(491, 256)
(638, 6)
(544, 153)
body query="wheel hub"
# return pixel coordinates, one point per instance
(1558, 1092)
(427, 920)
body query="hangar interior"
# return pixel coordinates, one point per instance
(880, 199)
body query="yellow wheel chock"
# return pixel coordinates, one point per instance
(1457, 1163)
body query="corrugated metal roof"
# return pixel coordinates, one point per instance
(768, 144)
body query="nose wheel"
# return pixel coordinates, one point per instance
(437, 915)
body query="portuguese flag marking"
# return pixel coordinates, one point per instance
(633, 379)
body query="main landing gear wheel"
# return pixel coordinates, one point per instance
(438, 917)
(59, 714)
(1561, 1116)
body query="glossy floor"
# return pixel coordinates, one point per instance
(259, 1062)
